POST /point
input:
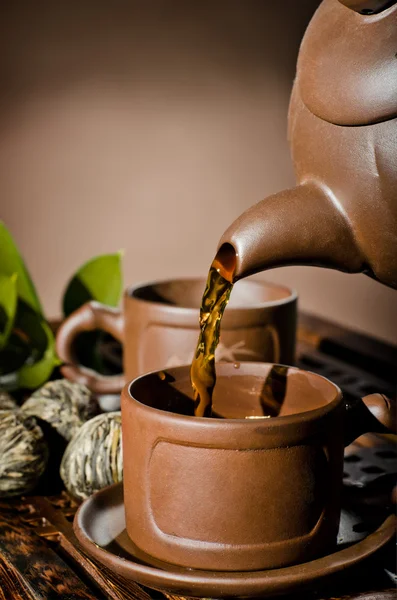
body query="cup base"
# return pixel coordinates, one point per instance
(100, 528)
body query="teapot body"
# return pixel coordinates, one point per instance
(357, 167)
(343, 125)
(342, 214)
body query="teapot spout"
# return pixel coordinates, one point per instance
(300, 226)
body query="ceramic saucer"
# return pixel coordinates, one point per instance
(100, 527)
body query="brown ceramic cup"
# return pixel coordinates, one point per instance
(238, 494)
(159, 327)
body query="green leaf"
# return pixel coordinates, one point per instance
(29, 357)
(13, 355)
(8, 305)
(11, 262)
(99, 279)
(42, 360)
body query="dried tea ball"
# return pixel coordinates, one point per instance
(93, 459)
(62, 404)
(7, 402)
(23, 453)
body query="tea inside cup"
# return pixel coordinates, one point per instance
(242, 391)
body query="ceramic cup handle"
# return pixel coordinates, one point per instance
(374, 413)
(89, 317)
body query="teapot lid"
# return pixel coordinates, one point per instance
(367, 7)
(347, 65)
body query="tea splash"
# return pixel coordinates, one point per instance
(202, 373)
(216, 296)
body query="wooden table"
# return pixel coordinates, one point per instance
(40, 558)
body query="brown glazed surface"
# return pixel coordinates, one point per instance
(343, 137)
(232, 494)
(160, 323)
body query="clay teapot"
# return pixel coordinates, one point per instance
(343, 138)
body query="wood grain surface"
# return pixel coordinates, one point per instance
(32, 569)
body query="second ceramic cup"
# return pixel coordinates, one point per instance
(159, 326)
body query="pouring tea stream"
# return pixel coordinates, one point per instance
(343, 212)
